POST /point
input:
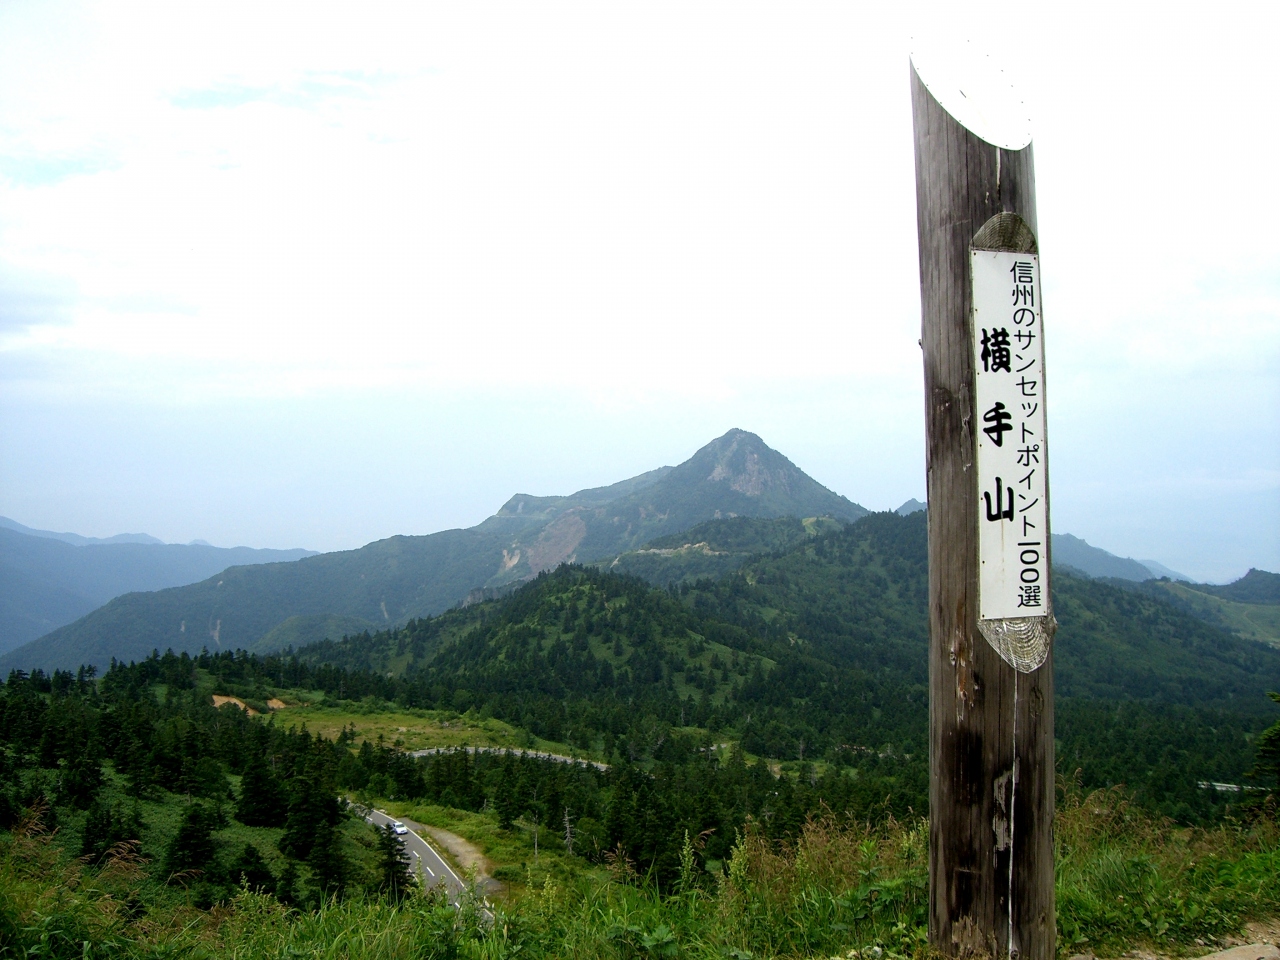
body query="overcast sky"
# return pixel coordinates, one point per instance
(317, 274)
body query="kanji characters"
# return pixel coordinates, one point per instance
(1000, 512)
(996, 355)
(998, 419)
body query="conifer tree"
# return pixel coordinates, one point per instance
(262, 798)
(80, 781)
(312, 807)
(287, 884)
(193, 847)
(506, 798)
(1267, 764)
(328, 866)
(396, 868)
(252, 870)
(105, 826)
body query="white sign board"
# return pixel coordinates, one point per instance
(1008, 351)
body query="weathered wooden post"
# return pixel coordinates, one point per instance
(991, 789)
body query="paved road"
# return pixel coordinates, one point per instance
(557, 757)
(428, 865)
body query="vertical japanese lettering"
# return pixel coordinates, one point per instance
(1010, 447)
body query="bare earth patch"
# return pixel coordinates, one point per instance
(221, 701)
(1265, 931)
(463, 852)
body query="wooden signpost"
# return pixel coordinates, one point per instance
(991, 788)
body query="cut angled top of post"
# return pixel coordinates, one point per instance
(974, 91)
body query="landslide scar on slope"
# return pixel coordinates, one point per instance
(556, 544)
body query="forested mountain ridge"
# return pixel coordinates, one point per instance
(819, 651)
(855, 598)
(1248, 608)
(391, 581)
(718, 547)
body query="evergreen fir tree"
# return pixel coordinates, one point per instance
(1267, 764)
(309, 810)
(262, 798)
(193, 847)
(287, 884)
(506, 798)
(105, 826)
(397, 869)
(252, 870)
(328, 866)
(79, 782)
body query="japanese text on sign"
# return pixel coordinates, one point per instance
(1011, 451)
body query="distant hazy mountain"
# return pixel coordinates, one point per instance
(1094, 561)
(1079, 557)
(1160, 570)
(75, 538)
(46, 581)
(391, 581)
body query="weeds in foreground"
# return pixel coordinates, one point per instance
(1124, 877)
(1124, 880)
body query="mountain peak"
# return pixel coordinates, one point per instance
(745, 463)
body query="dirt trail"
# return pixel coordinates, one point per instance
(465, 854)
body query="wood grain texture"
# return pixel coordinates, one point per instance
(991, 789)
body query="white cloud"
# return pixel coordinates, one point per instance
(234, 203)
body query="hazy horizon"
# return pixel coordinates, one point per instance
(312, 275)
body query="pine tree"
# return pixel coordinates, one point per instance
(396, 868)
(193, 847)
(507, 796)
(328, 866)
(105, 826)
(311, 808)
(287, 884)
(262, 798)
(79, 782)
(252, 870)
(1267, 764)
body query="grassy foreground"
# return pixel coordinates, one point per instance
(1124, 880)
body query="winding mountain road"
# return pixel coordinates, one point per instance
(428, 866)
(536, 754)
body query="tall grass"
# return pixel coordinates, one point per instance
(1124, 880)
(1124, 877)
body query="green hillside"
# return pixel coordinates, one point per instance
(1254, 621)
(394, 580)
(1256, 586)
(1248, 608)
(384, 582)
(138, 820)
(818, 653)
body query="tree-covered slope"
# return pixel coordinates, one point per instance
(1256, 586)
(1116, 643)
(393, 580)
(1094, 561)
(820, 651)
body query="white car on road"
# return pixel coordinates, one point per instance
(399, 827)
